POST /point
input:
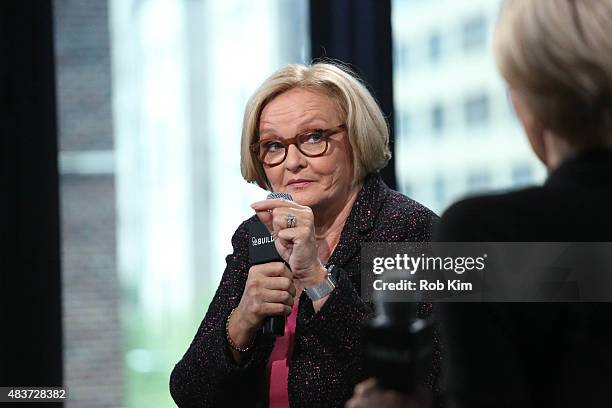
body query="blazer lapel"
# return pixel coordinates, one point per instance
(360, 221)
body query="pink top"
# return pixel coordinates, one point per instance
(278, 364)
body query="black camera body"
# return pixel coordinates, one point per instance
(398, 346)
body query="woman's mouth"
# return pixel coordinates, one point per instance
(299, 183)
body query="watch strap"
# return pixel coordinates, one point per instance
(324, 288)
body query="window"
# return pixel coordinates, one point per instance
(440, 191)
(454, 94)
(476, 110)
(437, 118)
(479, 180)
(522, 174)
(474, 33)
(401, 55)
(435, 47)
(403, 124)
(151, 97)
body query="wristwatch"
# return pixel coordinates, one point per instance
(324, 288)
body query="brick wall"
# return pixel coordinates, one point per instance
(92, 349)
(92, 346)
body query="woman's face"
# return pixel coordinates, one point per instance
(312, 181)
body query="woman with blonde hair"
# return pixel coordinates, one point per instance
(316, 133)
(556, 57)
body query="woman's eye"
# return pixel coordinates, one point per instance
(273, 146)
(314, 137)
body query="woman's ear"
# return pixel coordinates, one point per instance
(531, 125)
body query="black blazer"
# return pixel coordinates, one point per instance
(327, 353)
(533, 354)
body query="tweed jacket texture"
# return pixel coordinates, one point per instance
(326, 360)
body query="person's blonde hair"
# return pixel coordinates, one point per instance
(367, 129)
(557, 55)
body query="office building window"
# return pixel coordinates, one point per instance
(435, 47)
(478, 180)
(401, 55)
(437, 118)
(522, 174)
(454, 94)
(180, 85)
(439, 191)
(477, 110)
(402, 123)
(474, 33)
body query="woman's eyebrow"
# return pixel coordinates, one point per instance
(309, 121)
(305, 125)
(266, 130)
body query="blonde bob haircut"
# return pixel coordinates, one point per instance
(367, 129)
(557, 56)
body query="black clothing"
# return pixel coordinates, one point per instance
(533, 354)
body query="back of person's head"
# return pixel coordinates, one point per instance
(557, 56)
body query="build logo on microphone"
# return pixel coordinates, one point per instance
(261, 240)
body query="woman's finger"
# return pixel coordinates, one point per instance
(275, 217)
(279, 283)
(365, 387)
(275, 296)
(266, 219)
(271, 269)
(355, 402)
(294, 235)
(265, 205)
(275, 309)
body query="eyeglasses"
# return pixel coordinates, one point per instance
(313, 143)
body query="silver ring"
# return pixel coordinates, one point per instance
(291, 221)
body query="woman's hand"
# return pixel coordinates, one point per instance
(368, 394)
(269, 291)
(296, 244)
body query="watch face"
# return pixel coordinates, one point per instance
(334, 272)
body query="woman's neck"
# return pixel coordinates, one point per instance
(329, 225)
(558, 149)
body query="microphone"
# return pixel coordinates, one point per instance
(262, 250)
(398, 343)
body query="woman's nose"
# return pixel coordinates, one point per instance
(295, 159)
